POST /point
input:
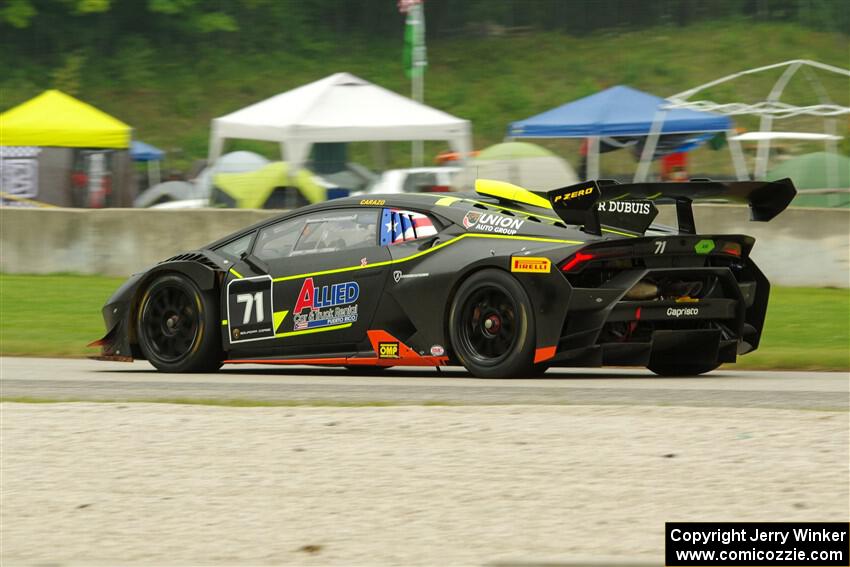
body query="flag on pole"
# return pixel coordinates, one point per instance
(415, 57)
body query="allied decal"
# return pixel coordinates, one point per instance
(491, 222)
(525, 264)
(388, 350)
(249, 309)
(324, 306)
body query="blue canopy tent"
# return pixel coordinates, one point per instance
(622, 112)
(146, 153)
(140, 151)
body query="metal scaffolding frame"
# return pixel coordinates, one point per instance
(769, 109)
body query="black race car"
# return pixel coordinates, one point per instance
(505, 282)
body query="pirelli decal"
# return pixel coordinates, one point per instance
(529, 265)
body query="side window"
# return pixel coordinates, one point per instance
(233, 250)
(327, 231)
(403, 226)
(277, 241)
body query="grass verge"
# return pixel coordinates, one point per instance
(57, 315)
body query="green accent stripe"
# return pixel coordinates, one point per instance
(424, 252)
(235, 273)
(224, 321)
(309, 331)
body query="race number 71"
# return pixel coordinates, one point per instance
(251, 299)
(660, 246)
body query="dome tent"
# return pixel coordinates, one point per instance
(520, 163)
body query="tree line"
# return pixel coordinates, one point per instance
(42, 30)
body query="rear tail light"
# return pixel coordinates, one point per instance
(576, 260)
(731, 248)
(437, 189)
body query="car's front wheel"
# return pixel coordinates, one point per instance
(176, 326)
(491, 326)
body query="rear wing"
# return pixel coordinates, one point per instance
(582, 203)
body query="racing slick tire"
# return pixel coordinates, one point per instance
(491, 326)
(176, 326)
(663, 369)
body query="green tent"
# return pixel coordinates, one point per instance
(812, 171)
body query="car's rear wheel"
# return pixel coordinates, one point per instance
(668, 369)
(176, 326)
(491, 326)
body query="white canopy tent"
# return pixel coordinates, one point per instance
(338, 108)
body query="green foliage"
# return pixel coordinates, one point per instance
(18, 13)
(67, 78)
(93, 6)
(134, 63)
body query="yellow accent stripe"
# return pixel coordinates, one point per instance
(319, 330)
(235, 273)
(278, 317)
(446, 201)
(652, 197)
(224, 321)
(428, 251)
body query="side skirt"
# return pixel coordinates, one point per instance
(386, 351)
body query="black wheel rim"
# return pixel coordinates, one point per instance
(170, 322)
(488, 325)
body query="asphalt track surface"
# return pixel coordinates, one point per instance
(76, 379)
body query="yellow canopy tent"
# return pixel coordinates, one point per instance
(59, 120)
(77, 155)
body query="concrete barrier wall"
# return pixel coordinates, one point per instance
(801, 247)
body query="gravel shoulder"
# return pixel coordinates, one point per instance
(107, 483)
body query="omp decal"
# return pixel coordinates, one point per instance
(544, 353)
(376, 202)
(492, 223)
(328, 305)
(235, 273)
(437, 350)
(573, 195)
(388, 350)
(526, 264)
(446, 201)
(682, 312)
(424, 252)
(406, 356)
